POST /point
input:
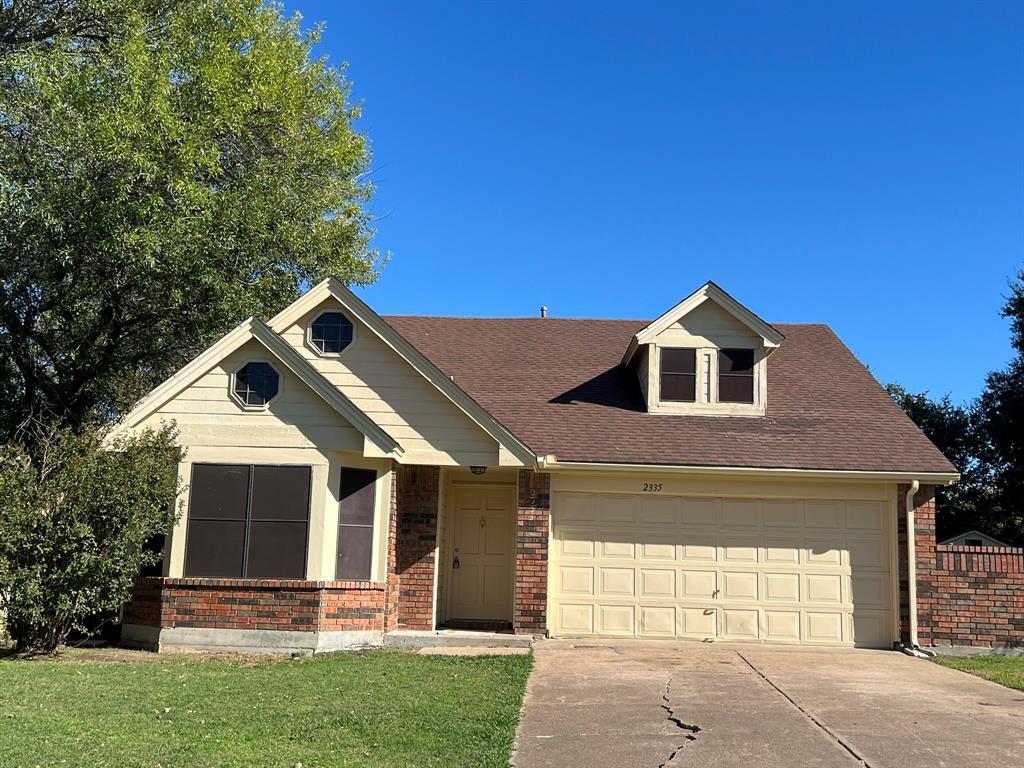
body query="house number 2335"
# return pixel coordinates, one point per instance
(652, 487)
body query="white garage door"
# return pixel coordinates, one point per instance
(812, 571)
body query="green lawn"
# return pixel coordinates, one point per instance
(383, 708)
(1005, 670)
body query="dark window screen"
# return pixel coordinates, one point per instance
(247, 522)
(736, 376)
(331, 332)
(679, 375)
(355, 524)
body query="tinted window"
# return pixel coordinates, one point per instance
(679, 375)
(257, 383)
(247, 522)
(331, 332)
(355, 524)
(736, 375)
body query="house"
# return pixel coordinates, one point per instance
(973, 539)
(706, 475)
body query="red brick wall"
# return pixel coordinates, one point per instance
(279, 604)
(416, 501)
(391, 588)
(971, 596)
(532, 522)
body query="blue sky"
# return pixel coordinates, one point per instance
(858, 164)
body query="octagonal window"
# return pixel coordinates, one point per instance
(330, 333)
(256, 384)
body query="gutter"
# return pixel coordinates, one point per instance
(550, 463)
(913, 649)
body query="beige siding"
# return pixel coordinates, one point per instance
(709, 326)
(428, 426)
(207, 414)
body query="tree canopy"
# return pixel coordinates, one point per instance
(166, 170)
(984, 440)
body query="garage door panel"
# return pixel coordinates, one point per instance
(657, 583)
(740, 624)
(660, 511)
(823, 514)
(812, 571)
(617, 620)
(782, 551)
(700, 549)
(619, 509)
(744, 513)
(576, 619)
(824, 588)
(782, 587)
(739, 585)
(865, 515)
(658, 621)
(783, 513)
(699, 584)
(698, 622)
(824, 627)
(658, 551)
(782, 626)
(701, 512)
(576, 580)
(617, 582)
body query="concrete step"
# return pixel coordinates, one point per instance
(455, 638)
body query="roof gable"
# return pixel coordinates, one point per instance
(333, 288)
(769, 335)
(257, 330)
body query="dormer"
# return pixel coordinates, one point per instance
(706, 356)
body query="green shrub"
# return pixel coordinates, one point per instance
(75, 517)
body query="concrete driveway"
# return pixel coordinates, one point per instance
(597, 704)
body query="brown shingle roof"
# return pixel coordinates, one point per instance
(557, 385)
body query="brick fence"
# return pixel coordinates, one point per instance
(967, 596)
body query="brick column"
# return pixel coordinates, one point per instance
(924, 559)
(411, 554)
(391, 581)
(533, 518)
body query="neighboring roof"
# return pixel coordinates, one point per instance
(332, 287)
(770, 335)
(974, 532)
(559, 386)
(250, 329)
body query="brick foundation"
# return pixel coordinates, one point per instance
(257, 604)
(966, 596)
(533, 518)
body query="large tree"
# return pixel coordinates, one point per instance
(984, 440)
(167, 169)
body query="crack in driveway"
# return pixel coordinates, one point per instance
(824, 728)
(670, 714)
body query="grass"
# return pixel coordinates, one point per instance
(1005, 670)
(382, 708)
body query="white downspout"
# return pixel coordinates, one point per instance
(912, 566)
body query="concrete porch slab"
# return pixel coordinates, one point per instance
(462, 650)
(455, 638)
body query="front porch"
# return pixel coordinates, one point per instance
(462, 551)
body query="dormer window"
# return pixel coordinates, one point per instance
(679, 375)
(736, 376)
(330, 333)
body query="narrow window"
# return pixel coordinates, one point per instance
(256, 384)
(355, 524)
(679, 375)
(973, 542)
(736, 376)
(247, 521)
(330, 333)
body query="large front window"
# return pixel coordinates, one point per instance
(247, 521)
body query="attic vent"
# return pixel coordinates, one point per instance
(543, 311)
